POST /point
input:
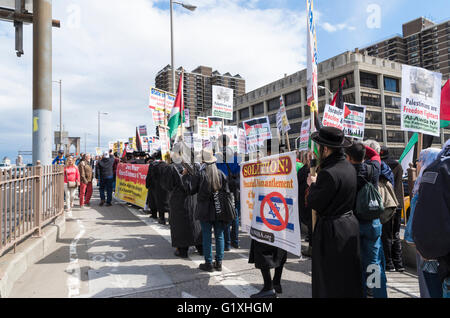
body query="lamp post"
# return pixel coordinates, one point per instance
(190, 8)
(326, 88)
(99, 113)
(60, 114)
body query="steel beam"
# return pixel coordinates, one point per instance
(11, 16)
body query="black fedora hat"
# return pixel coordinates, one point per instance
(330, 137)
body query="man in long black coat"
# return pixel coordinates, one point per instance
(159, 196)
(336, 264)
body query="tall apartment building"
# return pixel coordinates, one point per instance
(423, 44)
(371, 81)
(198, 87)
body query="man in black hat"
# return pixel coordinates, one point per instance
(336, 263)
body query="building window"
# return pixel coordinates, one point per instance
(373, 118)
(395, 136)
(321, 106)
(393, 119)
(392, 102)
(375, 134)
(307, 110)
(292, 98)
(273, 119)
(321, 91)
(368, 99)
(335, 83)
(369, 80)
(244, 113)
(295, 128)
(295, 113)
(274, 104)
(396, 153)
(391, 84)
(350, 98)
(258, 109)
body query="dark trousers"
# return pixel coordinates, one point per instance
(106, 184)
(392, 244)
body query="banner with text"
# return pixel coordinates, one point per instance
(202, 128)
(222, 105)
(269, 201)
(304, 135)
(256, 132)
(354, 121)
(215, 127)
(421, 100)
(130, 183)
(333, 117)
(282, 120)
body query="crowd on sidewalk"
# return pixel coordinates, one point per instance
(356, 199)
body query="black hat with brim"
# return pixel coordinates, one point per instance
(331, 137)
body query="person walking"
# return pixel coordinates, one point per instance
(370, 231)
(392, 243)
(60, 159)
(86, 178)
(71, 182)
(336, 262)
(427, 270)
(207, 182)
(185, 230)
(104, 173)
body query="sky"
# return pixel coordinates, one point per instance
(108, 52)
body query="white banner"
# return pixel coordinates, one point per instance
(311, 57)
(232, 133)
(203, 128)
(256, 132)
(333, 117)
(215, 127)
(282, 120)
(269, 201)
(354, 121)
(421, 100)
(143, 130)
(187, 121)
(222, 102)
(242, 142)
(304, 135)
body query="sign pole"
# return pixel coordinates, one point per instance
(288, 142)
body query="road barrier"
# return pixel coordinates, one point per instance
(30, 198)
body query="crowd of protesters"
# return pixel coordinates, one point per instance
(351, 210)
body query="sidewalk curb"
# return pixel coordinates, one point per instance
(14, 265)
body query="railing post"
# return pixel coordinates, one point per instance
(38, 200)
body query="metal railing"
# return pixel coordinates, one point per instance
(30, 198)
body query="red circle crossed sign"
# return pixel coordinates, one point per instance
(268, 200)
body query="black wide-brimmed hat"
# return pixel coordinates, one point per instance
(330, 137)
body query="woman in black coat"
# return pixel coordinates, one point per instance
(185, 231)
(336, 263)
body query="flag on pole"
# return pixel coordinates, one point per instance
(445, 105)
(338, 100)
(408, 155)
(312, 56)
(138, 141)
(177, 115)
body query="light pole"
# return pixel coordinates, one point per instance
(60, 114)
(99, 113)
(186, 6)
(325, 88)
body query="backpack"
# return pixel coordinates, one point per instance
(369, 204)
(390, 202)
(431, 221)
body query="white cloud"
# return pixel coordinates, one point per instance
(109, 61)
(337, 27)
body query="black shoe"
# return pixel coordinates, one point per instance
(207, 267)
(265, 294)
(307, 252)
(163, 222)
(108, 204)
(218, 266)
(227, 249)
(154, 216)
(400, 269)
(278, 289)
(102, 203)
(236, 246)
(390, 269)
(178, 253)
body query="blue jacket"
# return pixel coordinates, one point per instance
(59, 161)
(387, 173)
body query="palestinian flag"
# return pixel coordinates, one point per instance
(338, 100)
(177, 115)
(408, 155)
(445, 105)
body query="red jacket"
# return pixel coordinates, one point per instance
(372, 155)
(71, 174)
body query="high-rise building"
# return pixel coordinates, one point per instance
(423, 43)
(370, 81)
(198, 87)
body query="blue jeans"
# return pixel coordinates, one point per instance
(372, 254)
(207, 241)
(446, 288)
(106, 183)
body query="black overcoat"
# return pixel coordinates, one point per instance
(336, 263)
(158, 195)
(185, 231)
(266, 256)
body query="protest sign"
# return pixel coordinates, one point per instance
(256, 132)
(304, 135)
(269, 201)
(143, 130)
(421, 100)
(333, 117)
(242, 149)
(282, 120)
(232, 133)
(130, 183)
(354, 121)
(153, 144)
(144, 143)
(214, 127)
(98, 151)
(222, 104)
(164, 140)
(187, 121)
(203, 128)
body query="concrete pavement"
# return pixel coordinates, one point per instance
(119, 251)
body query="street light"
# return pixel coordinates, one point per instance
(99, 113)
(190, 8)
(60, 114)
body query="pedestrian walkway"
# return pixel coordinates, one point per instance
(119, 251)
